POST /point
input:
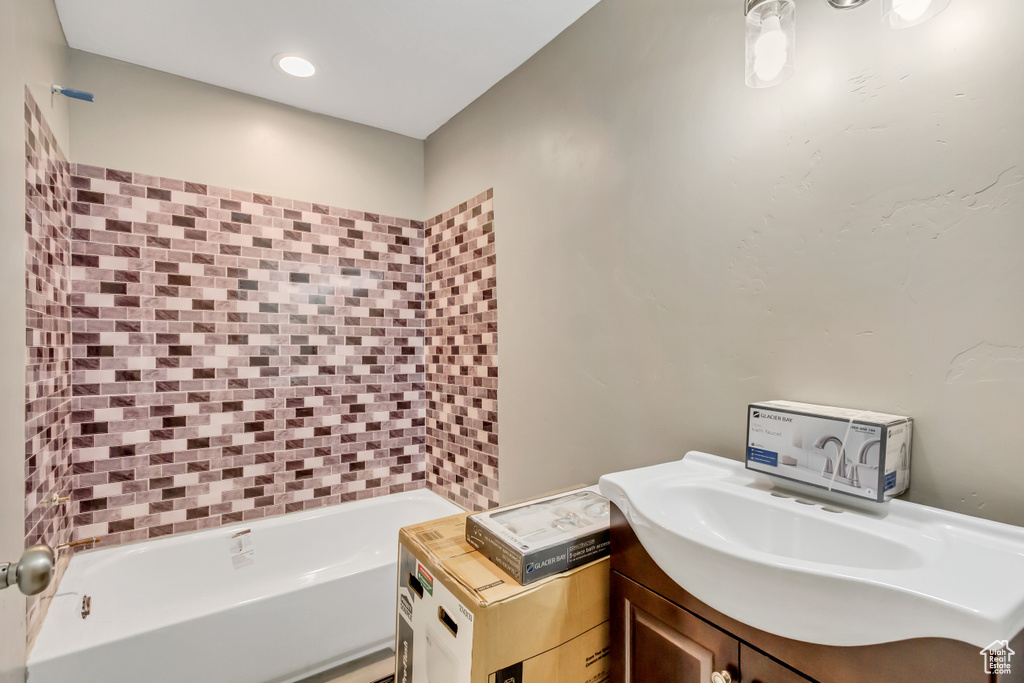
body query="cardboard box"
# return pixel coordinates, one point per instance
(544, 536)
(855, 452)
(461, 619)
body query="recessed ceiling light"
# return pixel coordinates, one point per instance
(295, 66)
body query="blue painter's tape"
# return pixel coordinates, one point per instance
(763, 457)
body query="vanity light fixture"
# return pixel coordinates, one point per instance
(907, 13)
(771, 41)
(846, 4)
(771, 32)
(294, 65)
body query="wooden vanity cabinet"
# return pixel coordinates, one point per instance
(663, 642)
(666, 643)
(662, 634)
(759, 668)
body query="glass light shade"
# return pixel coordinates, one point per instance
(907, 13)
(771, 43)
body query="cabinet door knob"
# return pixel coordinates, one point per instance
(721, 677)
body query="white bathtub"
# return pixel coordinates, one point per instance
(319, 592)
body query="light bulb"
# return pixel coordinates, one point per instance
(295, 66)
(910, 10)
(908, 13)
(770, 42)
(770, 50)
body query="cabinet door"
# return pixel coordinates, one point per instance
(655, 640)
(757, 668)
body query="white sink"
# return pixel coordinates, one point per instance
(816, 573)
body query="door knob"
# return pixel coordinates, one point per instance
(721, 677)
(33, 571)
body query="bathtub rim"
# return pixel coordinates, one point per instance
(272, 520)
(113, 552)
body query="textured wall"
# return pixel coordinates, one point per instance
(675, 245)
(153, 122)
(48, 345)
(34, 54)
(237, 355)
(462, 354)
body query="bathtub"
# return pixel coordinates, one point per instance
(274, 600)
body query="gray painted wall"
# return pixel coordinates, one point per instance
(673, 245)
(33, 53)
(148, 121)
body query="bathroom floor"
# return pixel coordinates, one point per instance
(378, 667)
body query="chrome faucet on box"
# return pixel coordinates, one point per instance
(856, 452)
(545, 536)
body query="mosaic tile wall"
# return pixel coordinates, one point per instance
(462, 354)
(237, 355)
(48, 344)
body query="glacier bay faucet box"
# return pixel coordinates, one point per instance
(545, 536)
(461, 619)
(856, 452)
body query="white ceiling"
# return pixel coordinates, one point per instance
(403, 65)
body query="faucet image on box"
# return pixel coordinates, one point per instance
(827, 470)
(862, 459)
(904, 467)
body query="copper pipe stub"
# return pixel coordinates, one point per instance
(76, 544)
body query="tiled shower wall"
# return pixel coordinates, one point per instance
(462, 354)
(200, 356)
(48, 343)
(237, 355)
